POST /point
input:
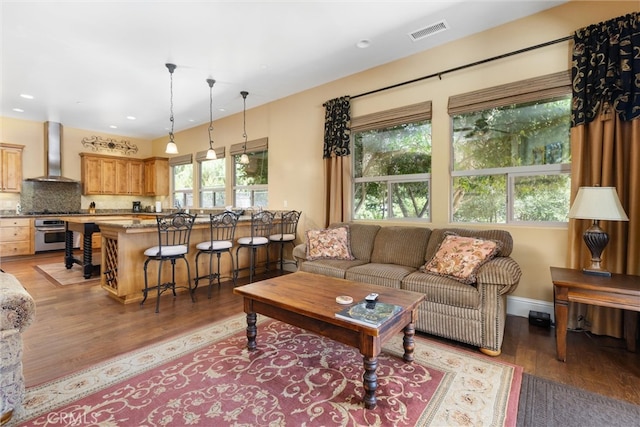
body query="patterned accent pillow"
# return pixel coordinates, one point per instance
(329, 243)
(459, 258)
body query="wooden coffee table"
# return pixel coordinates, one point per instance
(308, 301)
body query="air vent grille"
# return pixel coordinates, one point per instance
(429, 30)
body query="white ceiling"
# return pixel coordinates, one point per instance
(90, 64)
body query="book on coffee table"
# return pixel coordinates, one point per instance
(369, 314)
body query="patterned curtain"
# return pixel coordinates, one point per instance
(605, 150)
(606, 69)
(337, 120)
(337, 161)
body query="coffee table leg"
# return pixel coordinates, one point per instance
(252, 330)
(408, 342)
(370, 381)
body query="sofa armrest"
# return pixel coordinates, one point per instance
(17, 307)
(501, 271)
(300, 253)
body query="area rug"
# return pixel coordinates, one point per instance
(548, 403)
(58, 274)
(208, 377)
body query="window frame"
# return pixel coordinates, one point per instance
(183, 160)
(536, 89)
(414, 113)
(201, 157)
(252, 148)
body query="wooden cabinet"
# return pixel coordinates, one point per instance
(116, 175)
(98, 174)
(156, 176)
(11, 168)
(16, 236)
(129, 177)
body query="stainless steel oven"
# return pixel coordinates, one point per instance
(50, 235)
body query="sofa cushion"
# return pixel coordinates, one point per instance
(330, 267)
(438, 235)
(401, 245)
(442, 290)
(329, 243)
(460, 257)
(389, 275)
(362, 238)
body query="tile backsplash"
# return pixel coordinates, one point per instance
(50, 196)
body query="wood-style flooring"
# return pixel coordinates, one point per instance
(79, 325)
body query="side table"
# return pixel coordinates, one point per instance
(618, 291)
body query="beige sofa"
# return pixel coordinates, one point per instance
(392, 256)
(17, 312)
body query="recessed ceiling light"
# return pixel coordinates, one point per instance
(191, 120)
(363, 44)
(18, 110)
(113, 127)
(221, 109)
(131, 118)
(26, 96)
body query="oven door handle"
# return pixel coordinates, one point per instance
(50, 229)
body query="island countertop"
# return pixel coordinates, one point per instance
(124, 222)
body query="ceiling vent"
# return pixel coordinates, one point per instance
(429, 30)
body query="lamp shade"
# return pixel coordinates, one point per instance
(172, 148)
(598, 203)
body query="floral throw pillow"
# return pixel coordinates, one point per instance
(460, 257)
(329, 243)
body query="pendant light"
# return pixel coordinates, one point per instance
(172, 148)
(244, 159)
(211, 153)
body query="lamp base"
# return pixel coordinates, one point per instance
(594, 272)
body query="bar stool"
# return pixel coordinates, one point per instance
(261, 223)
(174, 232)
(285, 233)
(222, 228)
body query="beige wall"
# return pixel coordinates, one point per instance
(294, 125)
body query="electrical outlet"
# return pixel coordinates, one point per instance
(285, 204)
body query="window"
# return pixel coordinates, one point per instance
(212, 179)
(511, 154)
(182, 180)
(392, 164)
(250, 187)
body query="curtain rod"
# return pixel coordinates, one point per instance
(451, 70)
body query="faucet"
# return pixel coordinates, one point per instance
(176, 204)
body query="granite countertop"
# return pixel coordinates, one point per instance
(151, 223)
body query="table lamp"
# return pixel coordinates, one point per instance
(597, 203)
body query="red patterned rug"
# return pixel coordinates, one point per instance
(296, 378)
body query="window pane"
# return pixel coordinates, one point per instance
(183, 177)
(243, 198)
(212, 199)
(410, 199)
(260, 198)
(541, 198)
(212, 173)
(254, 173)
(398, 150)
(480, 198)
(535, 133)
(370, 200)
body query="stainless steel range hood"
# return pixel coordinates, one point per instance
(53, 159)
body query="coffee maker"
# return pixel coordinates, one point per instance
(137, 207)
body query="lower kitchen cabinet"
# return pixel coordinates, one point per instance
(16, 236)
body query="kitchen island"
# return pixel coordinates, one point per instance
(125, 240)
(85, 224)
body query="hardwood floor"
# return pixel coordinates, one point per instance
(79, 325)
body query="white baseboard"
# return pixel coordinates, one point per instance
(519, 306)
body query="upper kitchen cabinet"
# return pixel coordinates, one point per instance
(130, 177)
(117, 175)
(156, 176)
(10, 167)
(98, 174)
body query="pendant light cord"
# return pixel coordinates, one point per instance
(171, 68)
(210, 82)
